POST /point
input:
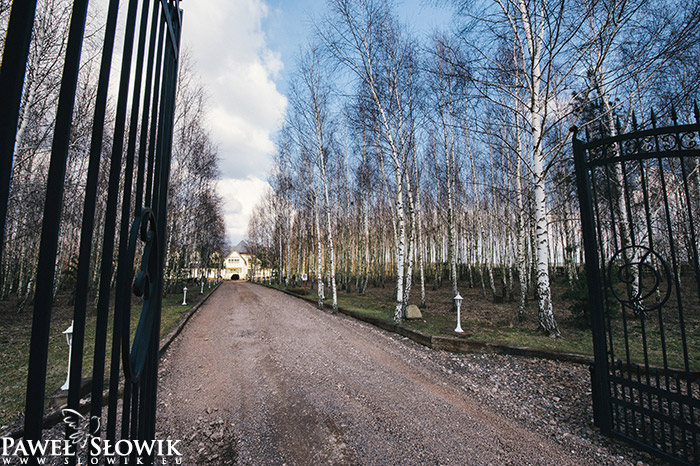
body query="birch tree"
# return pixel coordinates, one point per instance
(461, 168)
(310, 102)
(364, 37)
(543, 34)
(447, 81)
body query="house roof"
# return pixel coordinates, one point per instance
(242, 247)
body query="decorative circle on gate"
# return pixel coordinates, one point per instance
(669, 142)
(639, 278)
(688, 140)
(648, 144)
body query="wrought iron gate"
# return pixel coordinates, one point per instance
(639, 197)
(140, 161)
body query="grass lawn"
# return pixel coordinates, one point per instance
(488, 321)
(15, 334)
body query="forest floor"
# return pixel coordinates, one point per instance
(495, 319)
(15, 336)
(258, 377)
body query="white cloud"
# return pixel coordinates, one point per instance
(240, 197)
(238, 69)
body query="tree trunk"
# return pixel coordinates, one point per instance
(319, 248)
(331, 250)
(536, 110)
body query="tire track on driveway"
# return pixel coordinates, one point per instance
(259, 377)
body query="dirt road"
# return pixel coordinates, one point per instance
(259, 377)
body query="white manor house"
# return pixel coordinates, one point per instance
(240, 264)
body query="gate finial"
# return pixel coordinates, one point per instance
(696, 111)
(653, 118)
(634, 122)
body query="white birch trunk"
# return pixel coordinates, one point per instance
(411, 245)
(421, 249)
(448, 147)
(400, 232)
(436, 221)
(452, 236)
(319, 261)
(534, 40)
(546, 314)
(289, 246)
(522, 251)
(329, 226)
(400, 249)
(367, 259)
(480, 246)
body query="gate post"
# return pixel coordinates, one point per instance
(12, 71)
(600, 389)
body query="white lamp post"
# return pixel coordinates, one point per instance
(201, 290)
(184, 296)
(69, 339)
(458, 303)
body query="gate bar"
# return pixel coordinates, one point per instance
(110, 220)
(14, 64)
(600, 393)
(88, 219)
(51, 224)
(124, 265)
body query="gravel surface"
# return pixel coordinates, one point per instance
(262, 378)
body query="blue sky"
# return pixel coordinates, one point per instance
(289, 24)
(245, 51)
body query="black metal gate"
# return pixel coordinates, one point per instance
(639, 196)
(137, 194)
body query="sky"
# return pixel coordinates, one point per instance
(245, 52)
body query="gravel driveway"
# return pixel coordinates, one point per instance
(260, 377)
